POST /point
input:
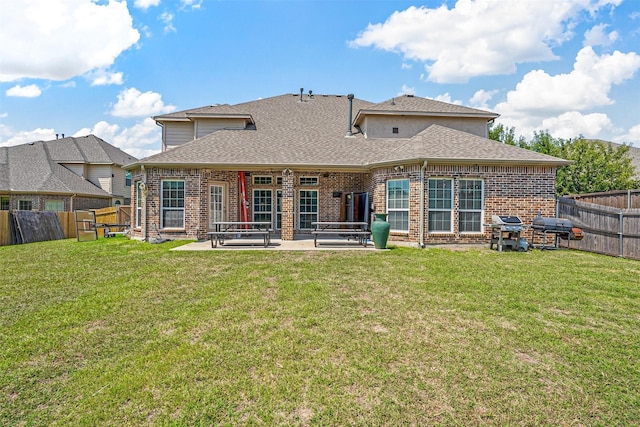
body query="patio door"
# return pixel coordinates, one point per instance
(217, 204)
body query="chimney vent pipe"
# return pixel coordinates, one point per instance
(349, 131)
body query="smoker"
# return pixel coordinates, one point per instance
(505, 233)
(560, 228)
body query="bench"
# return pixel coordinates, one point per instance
(238, 229)
(349, 229)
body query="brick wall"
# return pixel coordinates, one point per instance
(508, 190)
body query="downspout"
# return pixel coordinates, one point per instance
(422, 170)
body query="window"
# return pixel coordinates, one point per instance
(54, 205)
(440, 205)
(138, 204)
(217, 204)
(279, 180)
(4, 203)
(398, 204)
(24, 205)
(308, 180)
(278, 209)
(470, 198)
(308, 208)
(262, 180)
(172, 202)
(127, 178)
(394, 130)
(262, 205)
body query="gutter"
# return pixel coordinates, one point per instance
(422, 170)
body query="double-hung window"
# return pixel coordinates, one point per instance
(470, 199)
(172, 202)
(398, 204)
(440, 205)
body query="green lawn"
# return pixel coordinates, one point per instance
(117, 332)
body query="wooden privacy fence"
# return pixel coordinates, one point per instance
(621, 199)
(607, 230)
(111, 215)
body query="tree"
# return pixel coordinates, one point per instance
(499, 133)
(596, 165)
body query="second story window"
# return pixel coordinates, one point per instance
(262, 180)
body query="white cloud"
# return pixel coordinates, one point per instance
(30, 91)
(192, 4)
(406, 90)
(596, 36)
(60, 39)
(9, 137)
(445, 97)
(481, 98)
(133, 103)
(632, 136)
(102, 77)
(167, 19)
(141, 140)
(586, 86)
(572, 124)
(479, 37)
(145, 4)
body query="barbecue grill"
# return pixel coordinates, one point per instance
(505, 232)
(561, 228)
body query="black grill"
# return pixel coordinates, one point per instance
(552, 225)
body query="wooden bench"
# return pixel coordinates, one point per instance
(347, 229)
(226, 229)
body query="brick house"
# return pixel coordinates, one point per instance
(306, 157)
(63, 174)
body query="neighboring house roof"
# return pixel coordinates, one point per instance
(634, 153)
(295, 131)
(87, 149)
(29, 168)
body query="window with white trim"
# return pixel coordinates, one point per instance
(470, 204)
(54, 205)
(138, 204)
(309, 180)
(262, 205)
(440, 205)
(25, 205)
(262, 180)
(308, 208)
(172, 204)
(398, 204)
(278, 209)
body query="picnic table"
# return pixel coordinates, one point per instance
(356, 230)
(230, 229)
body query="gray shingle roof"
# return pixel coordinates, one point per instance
(29, 168)
(311, 133)
(86, 149)
(424, 106)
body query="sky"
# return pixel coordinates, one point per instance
(106, 67)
